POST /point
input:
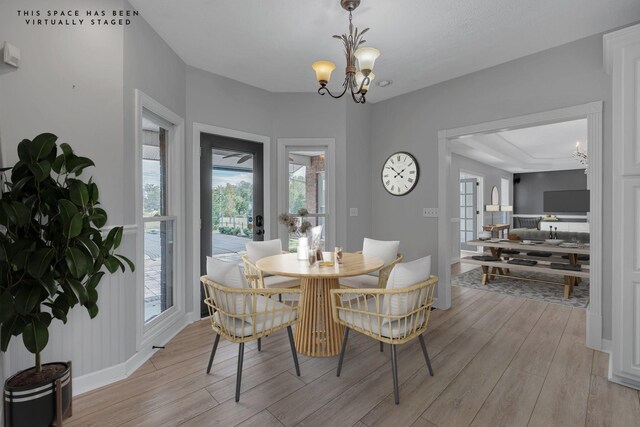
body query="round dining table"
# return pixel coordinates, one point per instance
(316, 334)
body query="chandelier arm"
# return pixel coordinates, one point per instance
(360, 100)
(323, 89)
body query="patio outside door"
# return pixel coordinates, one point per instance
(231, 198)
(468, 212)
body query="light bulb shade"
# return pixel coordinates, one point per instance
(366, 58)
(360, 78)
(323, 71)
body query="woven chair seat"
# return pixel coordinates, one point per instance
(371, 322)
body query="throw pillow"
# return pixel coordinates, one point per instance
(405, 275)
(385, 250)
(532, 223)
(230, 276)
(259, 250)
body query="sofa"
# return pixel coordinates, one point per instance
(529, 229)
(535, 234)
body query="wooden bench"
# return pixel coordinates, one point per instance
(500, 266)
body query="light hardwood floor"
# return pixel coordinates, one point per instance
(498, 361)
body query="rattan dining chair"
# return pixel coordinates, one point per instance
(367, 281)
(393, 315)
(256, 277)
(241, 315)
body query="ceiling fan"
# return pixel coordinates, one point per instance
(242, 157)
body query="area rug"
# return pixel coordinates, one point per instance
(523, 288)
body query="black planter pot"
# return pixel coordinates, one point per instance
(45, 404)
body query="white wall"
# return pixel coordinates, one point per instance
(568, 75)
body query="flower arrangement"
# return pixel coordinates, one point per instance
(297, 225)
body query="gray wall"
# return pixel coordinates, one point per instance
(528, 193)
(358, 184)
(568, 75)
(70, 83)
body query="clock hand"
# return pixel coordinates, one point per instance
(398, 173)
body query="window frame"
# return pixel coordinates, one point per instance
(147, 332)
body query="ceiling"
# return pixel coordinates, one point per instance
(534, 149)
(272, 44)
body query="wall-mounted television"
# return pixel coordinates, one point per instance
(575, 201)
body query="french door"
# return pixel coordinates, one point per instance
(468, 212)
(231, 198)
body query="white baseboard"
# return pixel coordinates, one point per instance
(94, 380)
(594, 331)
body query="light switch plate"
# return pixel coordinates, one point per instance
(430, 212)
(353, 211)
(11, 54)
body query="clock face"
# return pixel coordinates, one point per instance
(400, 173)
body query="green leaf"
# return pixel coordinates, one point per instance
(59, 308)
(79, 290)
(74, 226)
(132, 266)
(40, 261)
(78, 192)
(67, 208)
(27, 298)
(40, 170)
(3, 253)
(117, 238)
(94, 193)
(6, 306)
(78, 262)
(66, 150)
(109, 240)
(58, 163)
(8, 329)
(112, 264)
(49, 284)
(93, 249)
(17, 186)
(99, 220)
(45, 318)
(35, 336)
(17, 213)
(77, 164)
(23, 151)
(94, 280)
(93, 310)
(42, 146)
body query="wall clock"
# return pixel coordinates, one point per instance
(400, 173)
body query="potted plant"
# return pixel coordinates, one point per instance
(52, 254)
(298, 227)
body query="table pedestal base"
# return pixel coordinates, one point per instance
(316, 334)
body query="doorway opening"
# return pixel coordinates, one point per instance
(592, 112)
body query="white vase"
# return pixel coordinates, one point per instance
(303, 248)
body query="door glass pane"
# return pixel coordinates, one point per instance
(462, 235)
(469, 212)
(231, 203)
(469, 187)
(469, 224)
(158, 234)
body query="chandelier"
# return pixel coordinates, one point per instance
(357, 78)
(581, 156)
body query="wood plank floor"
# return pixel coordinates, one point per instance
(498, 361)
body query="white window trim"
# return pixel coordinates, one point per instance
(328, 144)
(146, 333)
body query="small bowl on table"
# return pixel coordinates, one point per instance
(554, 242)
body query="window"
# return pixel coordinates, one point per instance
(307, 188)
(158, 223)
